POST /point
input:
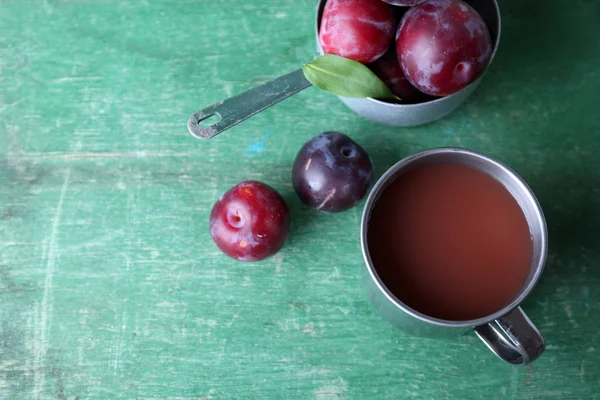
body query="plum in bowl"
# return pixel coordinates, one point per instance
(429, 108)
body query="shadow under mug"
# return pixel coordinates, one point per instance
(508, 332)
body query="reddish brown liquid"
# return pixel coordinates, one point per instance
(450, 242)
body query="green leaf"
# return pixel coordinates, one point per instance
(346, 78)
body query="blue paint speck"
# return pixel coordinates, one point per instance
(258, 147)
(448, 132)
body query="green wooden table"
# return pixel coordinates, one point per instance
(110, 286)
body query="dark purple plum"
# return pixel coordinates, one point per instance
(250, 222)
(388, 69)
(331, 172)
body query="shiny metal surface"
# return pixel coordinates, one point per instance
(519, 333)
(236, 109)
(513, 338)
(418, 114)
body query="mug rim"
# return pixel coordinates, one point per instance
(321, 4)
(382, 183)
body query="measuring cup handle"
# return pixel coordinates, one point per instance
(236, 109)
(513, 338)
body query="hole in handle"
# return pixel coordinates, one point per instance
(209, 120)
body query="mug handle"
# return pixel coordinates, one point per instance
(513, 338)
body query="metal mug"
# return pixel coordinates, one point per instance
(508, 332)
(421, 113)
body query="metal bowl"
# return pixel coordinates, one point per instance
(422, 113)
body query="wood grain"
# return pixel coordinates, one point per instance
(110, 286)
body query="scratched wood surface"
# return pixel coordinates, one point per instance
(110, 286)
